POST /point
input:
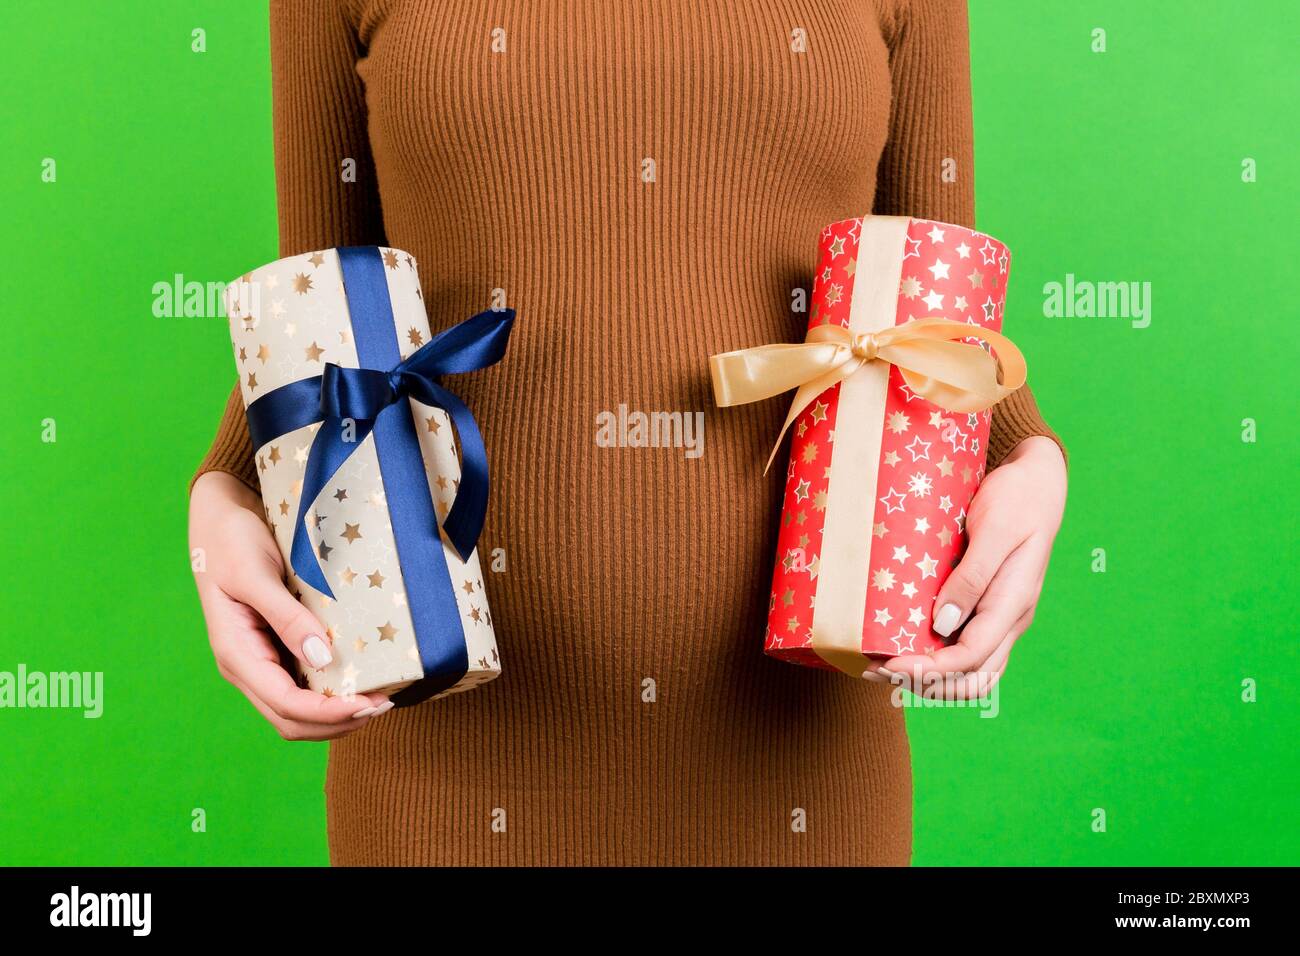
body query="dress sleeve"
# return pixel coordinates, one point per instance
(930, 130)
(319, 120)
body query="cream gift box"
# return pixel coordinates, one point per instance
(341, 381)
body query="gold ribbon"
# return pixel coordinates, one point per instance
(954, 375)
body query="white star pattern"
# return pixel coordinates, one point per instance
(919, 450)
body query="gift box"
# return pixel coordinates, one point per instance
(889, 427)
(354, 437)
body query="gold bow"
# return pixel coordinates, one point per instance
(954, 375)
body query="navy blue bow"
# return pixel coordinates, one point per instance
(351, 402)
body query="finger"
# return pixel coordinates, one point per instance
(245, 653)
(297, 628)
(872, 673)
(981, 683)
(271, 683)
(987, 551)
(299, 730)
(1012, 591)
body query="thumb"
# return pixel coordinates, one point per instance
(297, 628)
(970, 579)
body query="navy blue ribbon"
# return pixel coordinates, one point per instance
(350, 403)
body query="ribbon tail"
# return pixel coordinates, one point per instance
(804, 397)
(328, 453)
(464, 522)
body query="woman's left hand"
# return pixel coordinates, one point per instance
(1012, 522)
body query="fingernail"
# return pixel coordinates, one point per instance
(317, 652)
(946, 620)
(384, 708)
(367, 712)
(873, 675)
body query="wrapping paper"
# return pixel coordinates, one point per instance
(287, 320)
(879, 480)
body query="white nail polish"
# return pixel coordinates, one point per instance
(367, 712)
(384, 708)
(946, 620)
(317, 652)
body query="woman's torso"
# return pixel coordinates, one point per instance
(644, 182)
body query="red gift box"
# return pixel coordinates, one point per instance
(880, 478)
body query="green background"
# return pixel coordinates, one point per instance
(1126, 695)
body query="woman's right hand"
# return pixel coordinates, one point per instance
(247, 606)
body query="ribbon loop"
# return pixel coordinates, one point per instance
(954, 375)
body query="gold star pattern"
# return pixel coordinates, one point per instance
(390, 258)
(413, 335)
(314, 352)
(316, 259)
(819, 412)
(302, 283)
(387, 632)
(348, 576)
(284, 507)
(432, 423)
(264, 352)
(376, 579)
(351, 531)
(252, 381)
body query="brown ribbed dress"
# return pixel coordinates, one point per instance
(504, 145)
